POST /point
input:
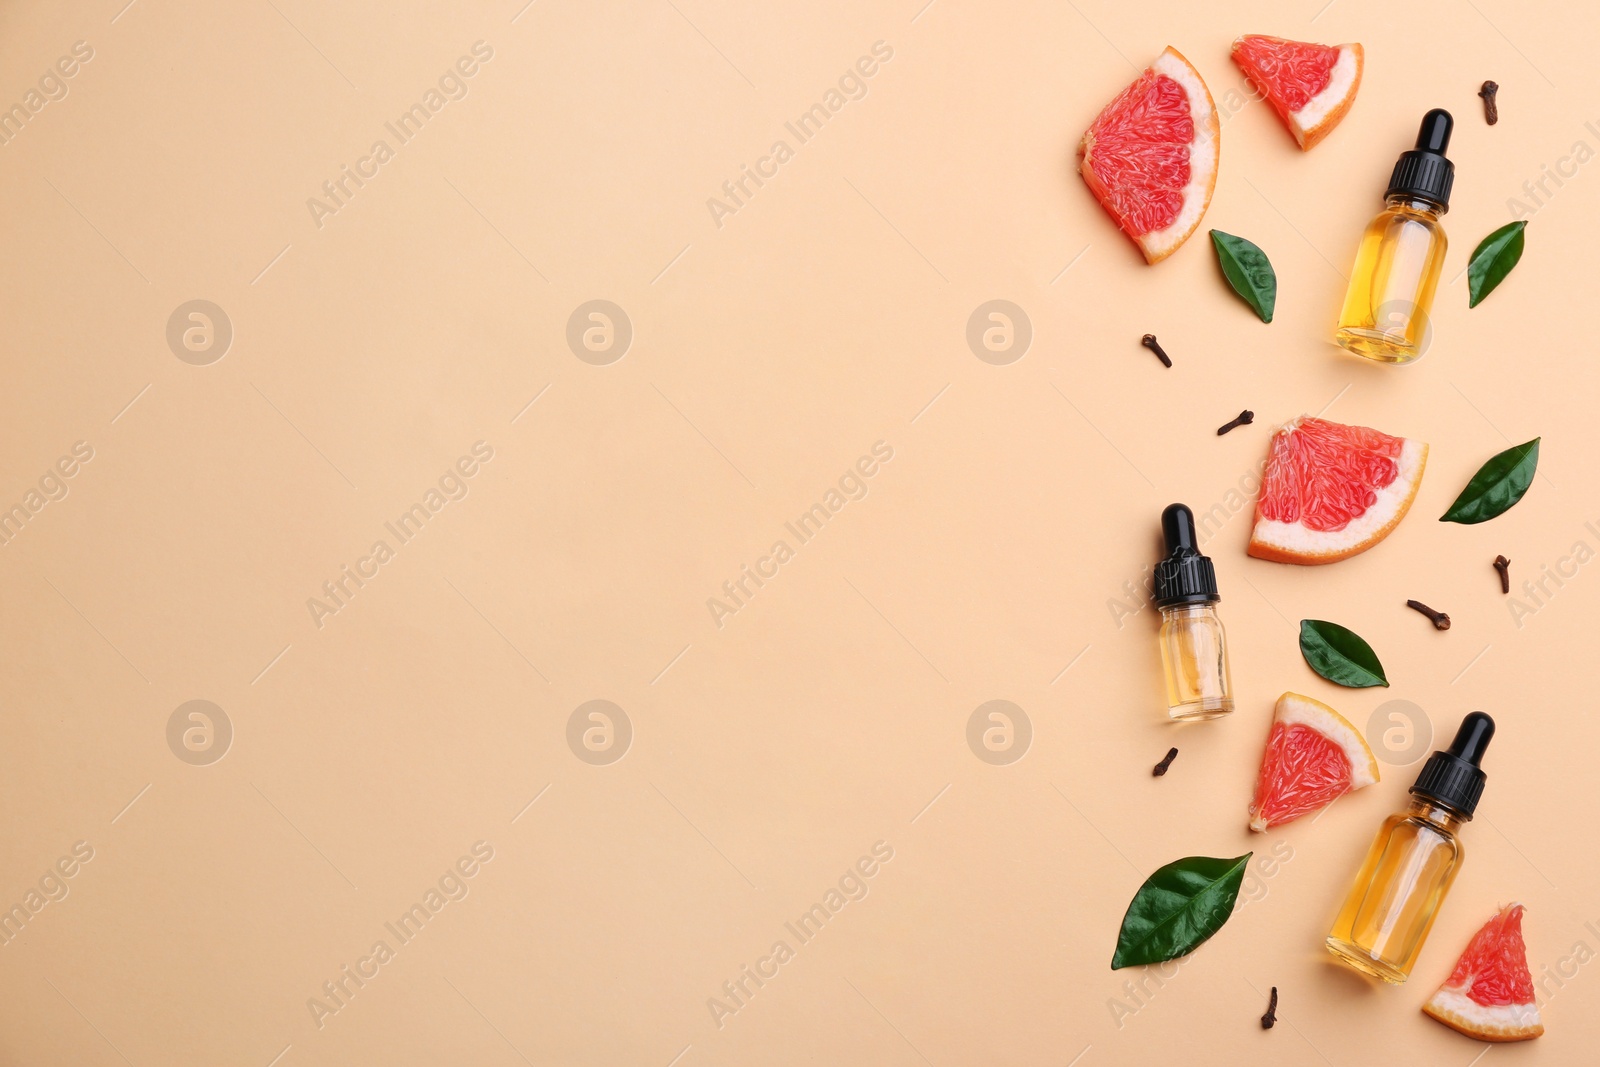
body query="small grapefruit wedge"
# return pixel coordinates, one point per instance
(1331, 490)
(1313, 757)
(1489, 995)
(1310, 86)
(1150, 157)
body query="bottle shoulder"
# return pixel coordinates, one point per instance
(1424, 830)
(1414, 206)
(1191, 617)
(1411, 213)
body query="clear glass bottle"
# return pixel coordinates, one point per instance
(1414, 859)
(1194, 648)
(1389, 301)
(1391, 908)
(1194, 654)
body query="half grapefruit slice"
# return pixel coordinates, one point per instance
(1310, 86)
(1331, 490)
(1150, 157)
(1489, 995)
(1313, 757)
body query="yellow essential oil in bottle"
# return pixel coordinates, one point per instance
(1387, 308)
(1194, 649)
(1412, 862)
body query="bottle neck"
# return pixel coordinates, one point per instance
(1440, 815)
(1189, 610)
(1413, 205)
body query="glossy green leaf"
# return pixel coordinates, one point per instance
(1249, 272)
(1177, 909)
(1492, 260)
(1499, 483)
(1340, 655)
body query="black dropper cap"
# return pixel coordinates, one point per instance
(1453, 778)
(1185, 576)
(1424, 172)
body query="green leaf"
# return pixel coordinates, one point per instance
(1177, 909)
(1249, 272)
(1499, 483)
(1492, 260)
(1340, 655)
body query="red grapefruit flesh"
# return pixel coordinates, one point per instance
(1150, 157)
(1313, 757)
(1331, 490)
(1489, 995)
(1310, 86)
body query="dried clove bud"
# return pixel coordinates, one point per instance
(1150, 342)
(1246, 417)
(1440, 620)
(1491, 114)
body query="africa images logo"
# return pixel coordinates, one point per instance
(737, 592)
(338, 191)
(453, 485)
(738, 191)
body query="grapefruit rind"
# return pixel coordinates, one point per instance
(1498, 957)
(1317, 117)
(1486, 1022)
(1328, 108)
(1204, 153)
(1293, 709)
(1290, 542)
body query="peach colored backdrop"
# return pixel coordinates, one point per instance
(246, 346)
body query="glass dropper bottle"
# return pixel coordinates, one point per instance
(1387, 307)
(1413, 861)
(1194, 649)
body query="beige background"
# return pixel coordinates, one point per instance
(830, 712)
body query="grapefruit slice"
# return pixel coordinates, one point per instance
(1150, 157)
(1313, 757)
(1489, 995)
(1331, 491)
(1310, 86)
